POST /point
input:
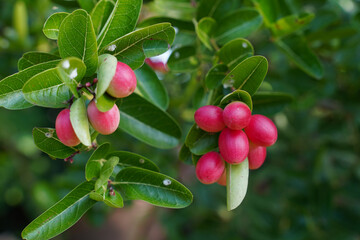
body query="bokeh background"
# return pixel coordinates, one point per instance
(308, 188)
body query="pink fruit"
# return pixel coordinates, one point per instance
(233, 145)
(157, 65)
(103, 122)
(261, 131)
(210, 167)
(123, 83)
(222, 180)
(64, 129)
(236, 115)
(256, 156)
(210, 118)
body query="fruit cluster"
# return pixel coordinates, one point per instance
(235, 145)
(122, 85)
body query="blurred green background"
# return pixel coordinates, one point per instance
(308, 188)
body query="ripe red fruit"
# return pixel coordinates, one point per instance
(103, 122)
(236, 115)
(233, 145)
(261, 131)
(256, 156)
(210, 118)
(123, 83)
(64, 129)
(222, 180)
(210, 167)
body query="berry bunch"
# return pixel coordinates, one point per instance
(242, 136)
(122, 85)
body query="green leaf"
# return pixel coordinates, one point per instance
(155, 188)
(121, 21)
(289, 24)
(151, 88)
(216, 9)
(47, 90)
(180, 24)
(237, 182)
(71, 71)
(248, 75)
(20, 20)
(201, 142)
(105, 102)
(235, 51)
(106, 71)
(179, 9)
(271, 11)
(205, 29)
(79, 121)
(148, 123)
(296, 48)
(11, 95)
(215, 76)
(183, 60)
(128, 159)
(47, 141)
(62, 215)
(129, 48)
(77, 39)
(30, 59)
(240, 23)
(237, 95)
(154, 47)
(52, 25)
(100, 14)
(113, 201)
(96, 161)
(88, 5)
(185, 154)
(270, 102)
(106, 172)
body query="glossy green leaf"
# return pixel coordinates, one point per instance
(30, 59)
(106, 71)
(105, 102)
(88, 5)
(77, 39)
(179, 9)
(290, 24)
(201, 142)
(11, 95)
(185, 154)
(270, 102)
(150, 87)
(129, 48)
(129, 159)
(216, 9)
(52, 25)
(183, 60)
(62, 215)
(121, 21)
(47, 90)
(180, 24)
(237, 95)
(215, 76)
(106, 171)
(71, 71)
(96, 161)
(80, 122)
(148, 123)
(296, 48)
(153, 48)
(115, 201)
(240, 23)
(205, 29)
(155, 188)
(234, 52)
(101, 13)
(47, 141)
(248, 75)
(237, 182)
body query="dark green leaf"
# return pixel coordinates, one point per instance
(88, 5)
(215, 76)
(185, 154)
(52, 25)
(106, 71)
(79, 121)
(101, 13)
(128, 159)
(96, 161)
(235, 51)
(71, 71)
(105, 102)
(201, 142)
(30, 59)
(216, 9)
(205, 29)
(183, 60)
(106, 171)
(270, 102)
(237, 182)
(290, 24)
(237, 95)
(180, 24)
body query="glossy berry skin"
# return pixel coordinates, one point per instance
(210, 167)
(256, 156)
(104, 122)
(236, 115)
(233, 145)
(210, 118)
(64, 129)
(123, 83)
(261, 131)
(222, 180)
(157, 65)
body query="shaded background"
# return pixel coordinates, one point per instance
(308, 187)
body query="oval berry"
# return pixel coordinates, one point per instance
(210, 118)
(123, 83)
(236, 115)
(256, 156)
(64, 129)
(103, 122)
(222, 180)
(261, 131)
(210, 167)
(233, 145)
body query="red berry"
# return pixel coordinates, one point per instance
(236, 115)
(256, 156)
(210, 167)
(222, 180)
(123, 83)
(157, 65)
(210, 118)
(233, 145)
(103, 122)
(261, 131)
(64, 129)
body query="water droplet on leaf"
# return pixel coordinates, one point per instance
(141, 161)
(244, 45)
(66, 64)
(167, 182)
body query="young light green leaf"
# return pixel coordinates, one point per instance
(48, 142)
(106, 71)
(30, 59)
(88, 5)
(237, 182)
(129, 48)
(52, 25)
(96, 161)
(121, 21)
(289, 24)
(235, 51)
(183, 60)
(270, 102)
(148, 123)
(106, 172)
(100, 14)
(205, 29)
(248, 75)
(215, 76)
(237, 95)
(114, 201)
(155, 188)
(62, 215)
(150, 87)
(200, 142)
(129, 159)
(11, 95)
(105, 102)
(80, 122)
(77, 39)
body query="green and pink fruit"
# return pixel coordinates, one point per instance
(210, 167)
(123, 83)
(104, 122)
(64, 129)
(236, 115)
(210, 118)
(261, 131)
(256, 156)
(233, 145)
